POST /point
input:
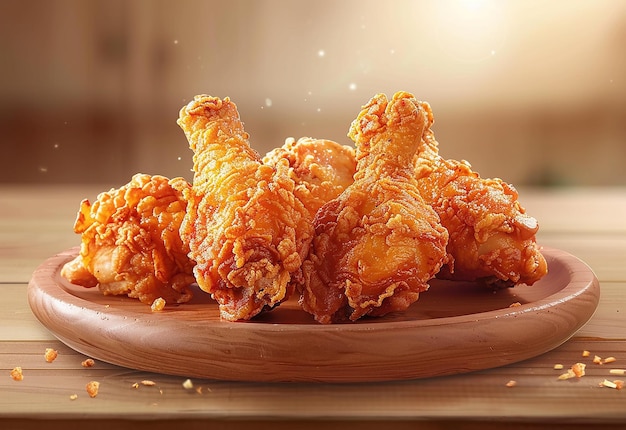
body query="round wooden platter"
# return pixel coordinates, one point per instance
(453, 328)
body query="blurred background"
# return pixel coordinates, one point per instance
(533, 92)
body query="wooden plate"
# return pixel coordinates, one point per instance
(453, 328)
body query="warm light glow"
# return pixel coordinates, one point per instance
(470, 30)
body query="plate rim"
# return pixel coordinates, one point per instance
(582, 281)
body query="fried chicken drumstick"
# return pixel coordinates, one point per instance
(377, 244)
(321, 168)
(130, 242)
(246, 230)
(492, 239)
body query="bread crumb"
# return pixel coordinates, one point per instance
(92, 388)
(74, 397)
(617, 384)
(17, 374)
(135, 385)
(579, 369)
(88, 363)
(608, 384)
(586, 353)
(576, 371)
(158, 304)
(558, 366)
(514, 305)
(511, 383)
(609, 360)
(597, 360)
(617, 371)
(148, 383)
(50, 355)
(188, 385)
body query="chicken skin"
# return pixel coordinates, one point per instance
(377, 244)
(492, 239)
(130, 242)
(246, 230)
(321, 169)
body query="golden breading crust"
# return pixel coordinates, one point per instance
(130, 242)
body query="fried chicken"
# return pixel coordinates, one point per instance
(377, 244)
(247, 231)
(130, 242)
(492, 239)
(321, 168)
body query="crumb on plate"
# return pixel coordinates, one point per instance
(158, 304)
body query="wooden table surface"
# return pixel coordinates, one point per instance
(36, 223)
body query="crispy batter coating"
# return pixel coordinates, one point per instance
(492, 239)
(321, 168)
(130, 242)
(377, 244)
(246, 230)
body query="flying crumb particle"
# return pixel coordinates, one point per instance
(148, 383)
(586, 353)
(74, 397)
(188, 385)
(511, 383)
(558, 366)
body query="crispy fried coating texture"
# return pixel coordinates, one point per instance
(377, 244)
(492, 239)
(130, 242)
(320, 168)
(246, 230)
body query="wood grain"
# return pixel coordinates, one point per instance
(453, 328)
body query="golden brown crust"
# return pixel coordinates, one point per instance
(247, 231)
(130, 242)
(377, 244)
(320, 168)
(492, 239)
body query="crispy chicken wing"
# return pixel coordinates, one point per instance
(130, 242)
(492, 239)
(246, 230)
(321, 168)
(377, 244)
